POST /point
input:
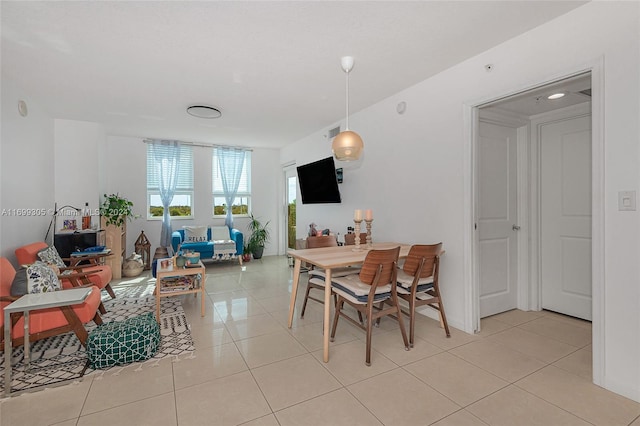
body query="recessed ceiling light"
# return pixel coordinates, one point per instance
(204, 111)
(555, 96)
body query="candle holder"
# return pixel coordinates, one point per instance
(368, 225)
(357, 222)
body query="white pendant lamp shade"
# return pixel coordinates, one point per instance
(347, 145)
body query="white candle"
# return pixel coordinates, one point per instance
(357, 215)
(368, 214)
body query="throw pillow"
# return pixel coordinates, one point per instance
(42, 279)
(219, 233)
(19, 283)
(195, 234)
(51, 256)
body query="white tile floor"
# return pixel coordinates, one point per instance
(525, 368)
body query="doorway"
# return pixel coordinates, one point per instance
(529, 294)
(291, 191)
(533, 210)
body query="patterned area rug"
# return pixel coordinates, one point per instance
(62, 358)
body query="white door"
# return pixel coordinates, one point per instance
(497, 210)
(565, 186)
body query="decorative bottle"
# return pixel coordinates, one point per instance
(86, 217)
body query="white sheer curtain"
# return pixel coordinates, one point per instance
(230, 161)
(166, 155)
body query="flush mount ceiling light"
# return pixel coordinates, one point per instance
(204, 111)
(347, 145)
(555, 96)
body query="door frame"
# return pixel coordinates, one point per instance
(286, 170)
(470, 239)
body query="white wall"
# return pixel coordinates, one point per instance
(76, 166)
(26, 170)
(126, 168)
(412, 175)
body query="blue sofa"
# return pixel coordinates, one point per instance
(207, 248)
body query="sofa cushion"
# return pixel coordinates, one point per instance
(200, 247)
(195, 234)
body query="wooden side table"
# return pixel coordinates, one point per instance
(174, 281)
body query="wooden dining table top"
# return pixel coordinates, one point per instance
(335, 257)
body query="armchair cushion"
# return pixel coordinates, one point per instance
(48, 319)
(42, 279)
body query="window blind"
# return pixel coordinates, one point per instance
(245, 180)
(185, 173)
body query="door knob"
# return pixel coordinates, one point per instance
(515, 227)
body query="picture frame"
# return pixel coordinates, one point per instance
(69, 224)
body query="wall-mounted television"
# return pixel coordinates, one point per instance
(318, 182)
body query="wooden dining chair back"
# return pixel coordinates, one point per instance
(418, 283)
(350, 239)
(46, 322)
(368, 291)
(317, 276)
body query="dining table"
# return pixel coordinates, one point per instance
(329, 258)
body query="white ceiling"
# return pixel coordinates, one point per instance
(272, 68)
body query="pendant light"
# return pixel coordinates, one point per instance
(347, 145)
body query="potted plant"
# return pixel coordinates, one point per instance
(246, 254)
(259, 236)
(116, 210)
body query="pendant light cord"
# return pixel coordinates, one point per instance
(347, 124)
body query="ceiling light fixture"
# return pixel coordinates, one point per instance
(556, 96)
(204, 111)
(347, 145)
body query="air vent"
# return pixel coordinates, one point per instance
(586, 92)
(334, 132)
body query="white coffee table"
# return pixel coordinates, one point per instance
(34, 302)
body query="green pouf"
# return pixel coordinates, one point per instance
(118, 343)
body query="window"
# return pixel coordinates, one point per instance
(182, 203)
(241, 205)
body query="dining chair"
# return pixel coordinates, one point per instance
(317, 276)
(46, 322)
(368, 291)
(418, 283)
(350, 239)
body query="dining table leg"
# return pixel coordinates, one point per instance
(294, 290)
(327, 313)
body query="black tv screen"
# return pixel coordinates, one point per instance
(318, 182)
